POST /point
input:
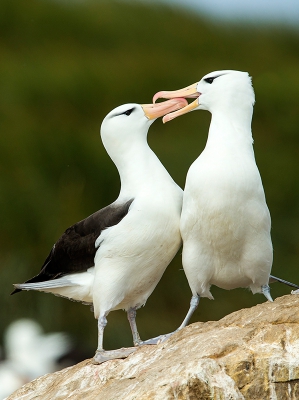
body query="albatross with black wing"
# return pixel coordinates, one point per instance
(114, 258)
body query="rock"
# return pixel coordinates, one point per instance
(250, 354)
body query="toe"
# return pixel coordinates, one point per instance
(106, 355)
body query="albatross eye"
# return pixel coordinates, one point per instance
(128, 112)
(209, 80)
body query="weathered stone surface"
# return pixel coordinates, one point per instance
(250, 354)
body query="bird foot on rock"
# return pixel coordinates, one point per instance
(157, 340)
(295, 291)
(106, 355)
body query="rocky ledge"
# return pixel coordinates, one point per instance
(250, 354)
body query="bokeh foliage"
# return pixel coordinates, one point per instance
(63, 68)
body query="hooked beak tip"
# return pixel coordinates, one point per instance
(166, 118)
(156, 97)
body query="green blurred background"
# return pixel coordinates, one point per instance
(63, 68)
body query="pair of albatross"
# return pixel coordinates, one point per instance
(114, 258)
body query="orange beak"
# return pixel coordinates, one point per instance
(187, 92)
(153, 111)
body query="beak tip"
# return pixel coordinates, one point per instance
(156, 97)
(166, 118)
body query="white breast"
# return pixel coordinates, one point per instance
(225, 224)
(134, 254)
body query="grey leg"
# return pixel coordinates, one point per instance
(136, 338)
(132, 320)
(193, 306)
(103, 355)
(266, 292)
(102, 322)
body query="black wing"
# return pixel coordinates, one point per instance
(75, 249)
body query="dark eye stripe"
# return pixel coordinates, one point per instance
(128, 112)
(211, 79)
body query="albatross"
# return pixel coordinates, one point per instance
(114, 258)
(225, 222)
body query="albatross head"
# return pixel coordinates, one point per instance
(218, 90)
(132, 121)
(124, 130)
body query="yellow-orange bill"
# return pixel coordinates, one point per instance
(153, 111)
(168, 117)
(187, 92)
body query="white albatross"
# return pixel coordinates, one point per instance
(29, 353)
(225, 222)
(114, 258)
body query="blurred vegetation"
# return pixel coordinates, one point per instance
(63, 68)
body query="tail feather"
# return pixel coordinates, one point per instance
(42, 277)
(30, 284)
(55, 283)
(36, 279)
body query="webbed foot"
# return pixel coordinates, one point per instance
(106, 355)
(158, 339)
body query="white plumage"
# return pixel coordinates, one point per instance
(225, 221)
(128, 244)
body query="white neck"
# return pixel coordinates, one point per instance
(231, 130)
(139, 168)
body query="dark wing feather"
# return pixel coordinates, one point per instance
(75, 249)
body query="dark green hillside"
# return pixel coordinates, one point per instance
(63, 68)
